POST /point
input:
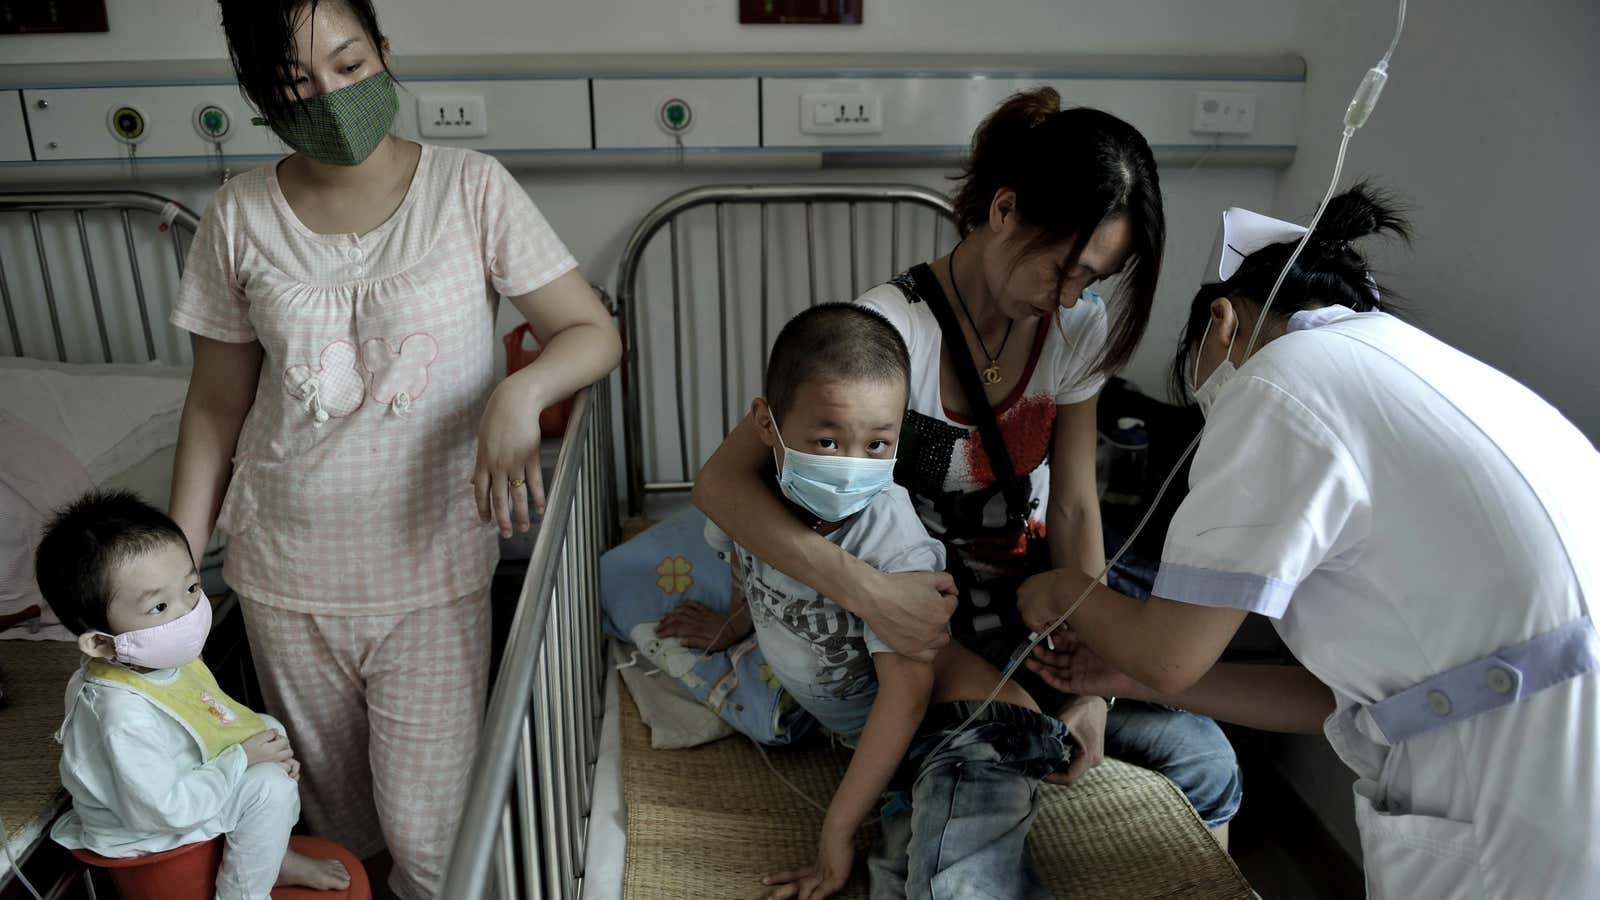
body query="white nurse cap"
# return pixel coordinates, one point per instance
(1241, 234)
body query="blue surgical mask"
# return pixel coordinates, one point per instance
(832, 488)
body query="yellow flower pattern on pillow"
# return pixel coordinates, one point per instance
(674, 575)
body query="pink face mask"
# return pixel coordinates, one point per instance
(169, 645)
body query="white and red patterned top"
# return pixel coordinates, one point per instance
(350, 491)
(943, 462)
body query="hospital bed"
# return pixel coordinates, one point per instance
(88, 359)
(86, 280)
(705, 280)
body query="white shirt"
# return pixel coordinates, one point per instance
(138, 779)
(1400, 509)
(953, 482)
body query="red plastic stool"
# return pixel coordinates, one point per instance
(190, 872)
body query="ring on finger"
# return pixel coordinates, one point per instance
(517, 482)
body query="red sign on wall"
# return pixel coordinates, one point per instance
(52, 16)
(800, 12)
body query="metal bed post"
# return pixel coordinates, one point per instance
(666, 215)
(121, 203)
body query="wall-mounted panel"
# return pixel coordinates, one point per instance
(78, 123)
(656, 113)
(550, 114)
(13, 128)
(923, 112)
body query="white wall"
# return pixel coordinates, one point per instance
(186, 29)
(593, 211)
(1489, 127)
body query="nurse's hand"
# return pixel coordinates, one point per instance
(509, 468)
(1044, 597)
(1073, 668)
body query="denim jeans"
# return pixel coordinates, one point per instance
(955, 824)
(1189, 750)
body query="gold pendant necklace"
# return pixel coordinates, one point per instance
(991, 376)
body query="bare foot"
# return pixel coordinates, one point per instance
(300, 870)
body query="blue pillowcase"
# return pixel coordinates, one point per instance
(645, 578)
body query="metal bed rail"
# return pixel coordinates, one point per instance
(61, 282)
(643, 340)
(525, 828)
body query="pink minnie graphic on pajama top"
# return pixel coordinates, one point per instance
(397, 377)
(341, 382)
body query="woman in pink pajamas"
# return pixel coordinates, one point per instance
(345, 429)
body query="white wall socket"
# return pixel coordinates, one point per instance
(1219, 112)
(452, 116)
(841, 114)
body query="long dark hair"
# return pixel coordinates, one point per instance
(1072, 170)
(261, 44)
(1329, 272)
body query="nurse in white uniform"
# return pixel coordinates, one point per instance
(1424, 533)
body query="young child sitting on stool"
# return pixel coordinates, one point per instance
(154, 754)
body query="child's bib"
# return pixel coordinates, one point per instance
(216, 720)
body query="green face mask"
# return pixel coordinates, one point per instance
(343, 127)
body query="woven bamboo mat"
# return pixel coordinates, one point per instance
(710, 821)
(36, 674)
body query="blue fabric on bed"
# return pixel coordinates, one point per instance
(645, 578)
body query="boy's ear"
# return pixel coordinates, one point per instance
(97, 644)
(762, 413)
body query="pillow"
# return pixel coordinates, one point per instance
(645, 578)
(111, 417)
(37, 475)
(675, 717)
(119, 420)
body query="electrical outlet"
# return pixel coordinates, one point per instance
(1217, 112)
(841, 114)
(452, 116)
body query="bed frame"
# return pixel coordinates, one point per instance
(59, 277)
(68, 261)
(719, 356)
(525, 830)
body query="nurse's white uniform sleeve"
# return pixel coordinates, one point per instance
(1273, 494)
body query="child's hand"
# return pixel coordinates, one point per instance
(267, 747)
(696, 626)
(292, 769)
(835, 856)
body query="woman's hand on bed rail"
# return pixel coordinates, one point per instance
(509, 465)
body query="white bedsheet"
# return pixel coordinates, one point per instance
(608, 819)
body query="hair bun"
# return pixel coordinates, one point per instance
(1358, 212)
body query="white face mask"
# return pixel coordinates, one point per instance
(1206, 394)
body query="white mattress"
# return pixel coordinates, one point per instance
(608, 819)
